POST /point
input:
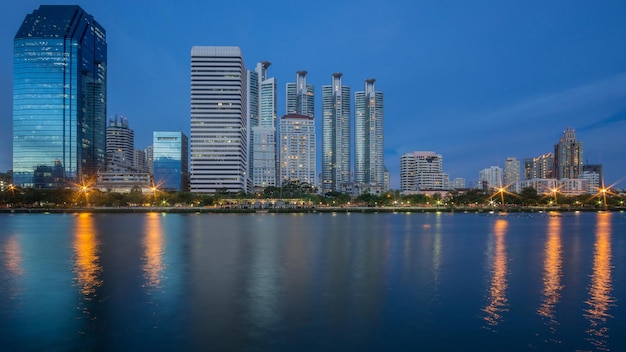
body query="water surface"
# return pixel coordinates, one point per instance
(311, 282)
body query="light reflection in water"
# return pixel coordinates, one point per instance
(12, 256)
(600, 299)
(437, 251)
(153, 250)
(498, 302)
(87, 267)
(552, 273)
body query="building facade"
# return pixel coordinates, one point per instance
(490, 177)
(541, 167)
(568, 156)
(297, 149)
(421, 171)
(171, 165)
(59, 97)
(336, 165)
(219, 122)
(300, 97)
(262, 110)
(120, 145)
(369, 164)
(511, 172)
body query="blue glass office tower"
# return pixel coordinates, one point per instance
(170, 160)
(59, 97)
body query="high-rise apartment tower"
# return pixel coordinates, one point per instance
(336, 165)
(369, 165)
(262, 112)
(568, 156)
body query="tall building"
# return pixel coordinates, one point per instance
(369, 165)
(597, 169)
(511, 171)
(568, 156)
(59, 97)
(297, 149)
(170, 153)
(539, 167)
(140, 162)
(262, 112)
(149, 159)
(422, 170)
(336, 166)
(300, 96)
(120, 145)
(490, 177)
(219, 122)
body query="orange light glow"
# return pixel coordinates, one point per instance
(497, 290)
(153, 250)
(87, 267)
(600, 299)
(552, 272)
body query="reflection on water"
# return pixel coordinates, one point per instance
(153, 250)
(11, 261)
(497, 291)
(552, 273)
(437, 250)
(600, 299)
(12, 256)
(87, 267)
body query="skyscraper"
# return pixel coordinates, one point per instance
(511, 171)
(262, 110)
(59, 97)
(568, 156)
(297, 149)
(369, 166)
(490, 177)
(300, 96)
(170, 153)
(120, 145)
(336, 166)
(219, 123)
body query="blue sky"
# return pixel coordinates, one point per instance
(475, 81)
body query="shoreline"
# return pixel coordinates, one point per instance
(218, 210)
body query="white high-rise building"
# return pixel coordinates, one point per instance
(297, 149)
(336, 166)
(300, 96)
(422, 170)
(511, 173)
(490, 177)
(262, 112)
(369, 165)
(219, 122)
(120, 145)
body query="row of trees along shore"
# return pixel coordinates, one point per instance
(303, 196)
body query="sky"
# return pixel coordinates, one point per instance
(475, 81)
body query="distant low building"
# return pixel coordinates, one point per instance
(124, 182)
(564, 186)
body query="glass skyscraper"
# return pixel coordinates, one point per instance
(335, 135)
(59, 97)
(369, 165)
(170, 160)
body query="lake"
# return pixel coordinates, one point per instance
(313, 282)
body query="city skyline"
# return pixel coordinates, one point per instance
(477, 83)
